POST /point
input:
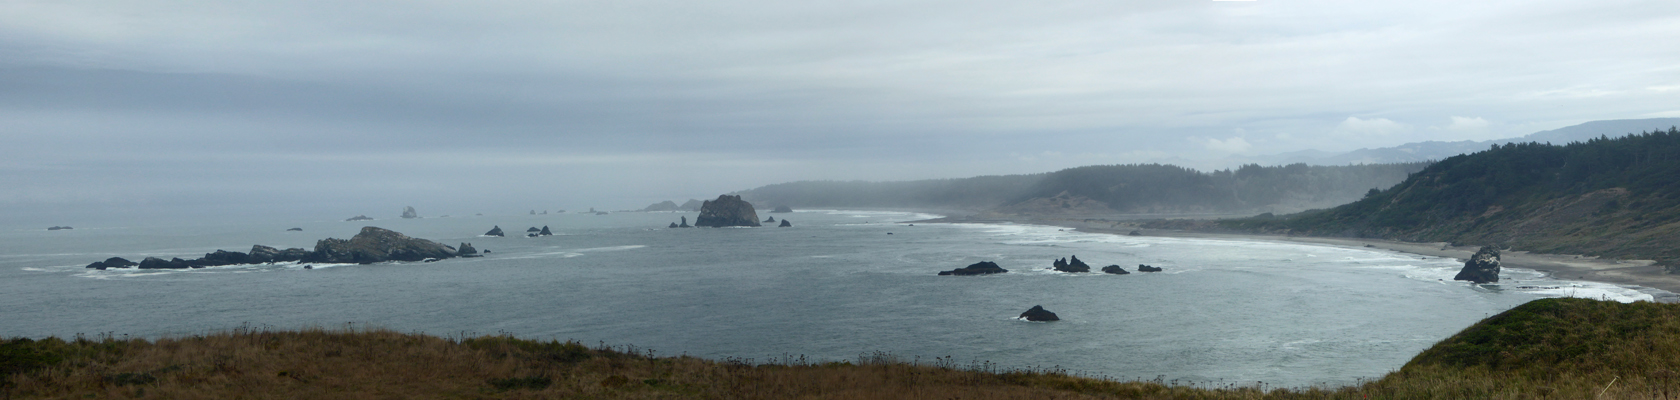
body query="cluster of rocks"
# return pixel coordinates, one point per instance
(534, 232)
(1062, 264)
(1482, 267)
(371, 245)
(684, 223)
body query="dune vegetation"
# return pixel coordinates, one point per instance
(1550, 348)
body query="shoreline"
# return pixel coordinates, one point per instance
(1642, 275)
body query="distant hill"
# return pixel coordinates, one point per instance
(1103, 190)
(1438, 150)
(1616, 197)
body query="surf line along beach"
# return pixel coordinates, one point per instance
(1641, 275)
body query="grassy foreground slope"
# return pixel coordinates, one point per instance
(1552, 348)
(1605, 197)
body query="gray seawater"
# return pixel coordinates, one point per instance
(834, 286)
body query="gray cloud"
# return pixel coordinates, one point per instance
(627, 102)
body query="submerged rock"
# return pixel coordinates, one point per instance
(785, 224)
(1482, 267)
(495, 231)
(979, 268)
(1038, 313)
(1146, 268)
(376, 244)
(1074, 265)
(727, 211)
(1115, 269)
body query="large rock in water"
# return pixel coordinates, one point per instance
(495, 231)
(979, 268)
(409, 213)
(1115, 269)
(467, 250)
(785, 224)
(727, 211)
(1071, 266)
(376, 244)
(1482, 267)
(545, 231)
(1038, 313)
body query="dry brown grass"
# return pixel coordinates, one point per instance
(1548, 349)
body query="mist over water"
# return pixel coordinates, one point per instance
(833, 286)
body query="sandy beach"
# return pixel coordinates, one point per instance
(1650, 278)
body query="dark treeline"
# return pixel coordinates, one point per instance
(1605, 196)
(1137, 188)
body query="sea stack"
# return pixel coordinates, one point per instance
(1482, 267)
(495, 231)
(684, 223)
(785, 224)
(1038, 313)
(409, 213)
(1074, 265)
(770, 219)
(545, 231)
(467, 250)
(727, 211)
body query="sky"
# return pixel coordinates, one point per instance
(117, 109)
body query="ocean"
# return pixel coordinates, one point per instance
(836, 286)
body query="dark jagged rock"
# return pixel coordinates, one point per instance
(684, 223)
(785, 224)
(1038, 313)
(467, 250)
(113, 262)
(294, 230)
(533, 230)
(495, 231)
(408, 213)
(770, 219)
(545, 231)
(1146, 268)
(727, 211)
(1115, 269)
(358, 218)
(291, 254)
(223, 257)
(263, 254)
(58, 228)
(782, 209)
(158, 263)
(666, 205)
(1074, 265)
(1482, 267)
(376, 244)
(979, 268)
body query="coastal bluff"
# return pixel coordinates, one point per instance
(726, 211)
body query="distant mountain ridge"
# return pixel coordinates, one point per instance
(1439, 150)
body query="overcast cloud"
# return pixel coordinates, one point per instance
(115, 108)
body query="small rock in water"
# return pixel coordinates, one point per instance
(1038, 313)
(1115, 269)
(1146, 268)
(295, 230)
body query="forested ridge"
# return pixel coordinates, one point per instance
(1617, 197)
(1133, 188)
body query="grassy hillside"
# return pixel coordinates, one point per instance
(1608, 197)
(1546, 349)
